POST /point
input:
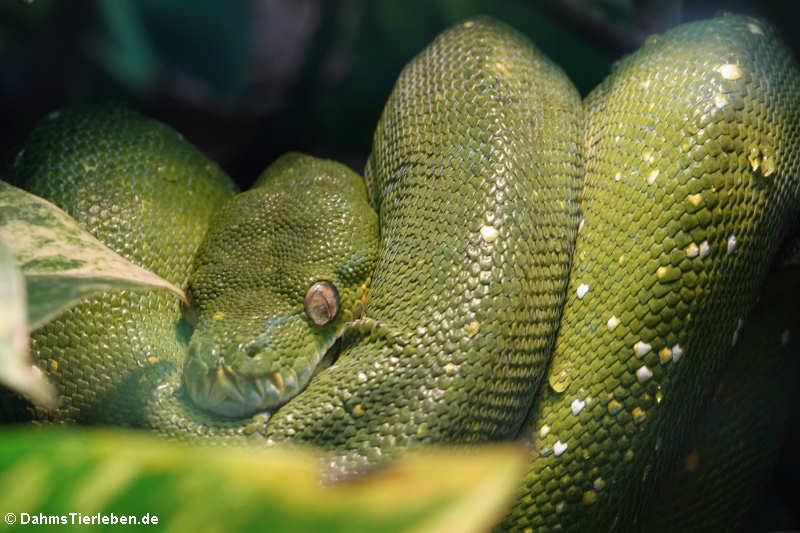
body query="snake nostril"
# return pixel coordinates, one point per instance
(251, 351)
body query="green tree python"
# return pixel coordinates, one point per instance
(517, 263)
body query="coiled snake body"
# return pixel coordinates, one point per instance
(576, 272)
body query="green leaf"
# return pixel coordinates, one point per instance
(60, 471)
(17, 371)
(62, 262)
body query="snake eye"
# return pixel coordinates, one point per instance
(321, 303)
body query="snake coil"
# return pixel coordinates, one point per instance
(577, 272)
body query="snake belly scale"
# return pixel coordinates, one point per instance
(572, 272)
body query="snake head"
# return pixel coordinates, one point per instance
(274, 284)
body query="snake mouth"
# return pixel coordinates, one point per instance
(223, 391)
(236, 390)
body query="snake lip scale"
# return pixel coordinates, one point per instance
(231, 394)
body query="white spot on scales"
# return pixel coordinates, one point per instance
(488, 233)
(582, 290)
(677, 353)
(559, 448)
(730, 71)
(641, 348)
(577, 406)
(731, 244)
(643, 373)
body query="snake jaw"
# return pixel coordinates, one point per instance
(221, 389)
(246, 378)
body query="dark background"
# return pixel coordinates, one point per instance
(247, 80)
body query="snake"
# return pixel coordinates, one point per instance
(516, 263)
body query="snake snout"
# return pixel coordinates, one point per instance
(239, 381)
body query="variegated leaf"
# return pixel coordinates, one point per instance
(61, 261)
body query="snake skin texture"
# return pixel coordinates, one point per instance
(691, 184)
(135, 184)
(579, 275)
(477, 194)
(724, 470)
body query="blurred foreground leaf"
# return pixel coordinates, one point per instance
(16, 369)
(61, 261)
(55, 472)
